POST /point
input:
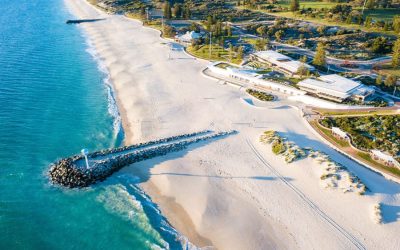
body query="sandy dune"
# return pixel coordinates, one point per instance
(231, 193)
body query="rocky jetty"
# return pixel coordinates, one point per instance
(71, 172)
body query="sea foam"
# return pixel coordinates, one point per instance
(112, 103)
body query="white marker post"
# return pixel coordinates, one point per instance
(85, 153)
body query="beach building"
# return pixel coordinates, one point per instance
(249, 78)
(336, 88)
(384, 158)
(281, 62)
(340, 134)
(188, 37)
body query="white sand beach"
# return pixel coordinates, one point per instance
(231, 193)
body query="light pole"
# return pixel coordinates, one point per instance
(85, 153)
(210, 44)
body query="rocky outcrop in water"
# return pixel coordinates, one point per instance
(68, 173)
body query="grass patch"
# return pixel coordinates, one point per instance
(320, 19)
(328, 112)
(387, 69)
(382, 14)
(218, 53)
(328, 133)
(262, 96)
(367, 157)
(309, 4)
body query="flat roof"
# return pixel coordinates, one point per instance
(338, 131)
(332, 84)
(282, 61)
(272, 55)
(339, 83)
(294, 66)
(383, 156)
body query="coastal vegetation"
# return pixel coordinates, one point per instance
(262, 96)
(377, 213)
(332, 174)
(280, 146)
(370, 132)
(378, 16)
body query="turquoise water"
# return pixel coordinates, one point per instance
(53, 102)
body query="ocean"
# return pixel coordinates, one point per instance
(55, 99)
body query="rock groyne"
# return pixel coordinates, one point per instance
(72, 172)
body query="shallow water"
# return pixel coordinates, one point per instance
(54, 100)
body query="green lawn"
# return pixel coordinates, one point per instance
(382, 14)
(217, 53)
(367, 157)
(376, 14)
(308, 4)
(388, 70)
(360, 155)
(328, 133)
(327, 112)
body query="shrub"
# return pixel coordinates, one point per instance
(278, 147)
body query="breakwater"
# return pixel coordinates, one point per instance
(72, 171)
(78, 21)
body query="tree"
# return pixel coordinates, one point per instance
(370, 4)
(229, 30)
(303, 70)
(321, 30)
(169, 31)
(378, 80)
(261, 44)
(349, 19)
(143, 11)
(186, 12)
(368, 22)
(396, 54)
(320, 56)
(167, 10)
(240, 53)
(279, 34)
(379, 45)
(230, 52)
(390, 81)
(294, 5)
(177, 10)
(396, 24)
(262, 30)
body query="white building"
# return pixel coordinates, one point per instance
(188, 37)
(337, 132)
(336, 88)
(386, 159)
(247, 77)
(281, 62)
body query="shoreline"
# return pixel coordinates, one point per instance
(220, 193)
(175, 214)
